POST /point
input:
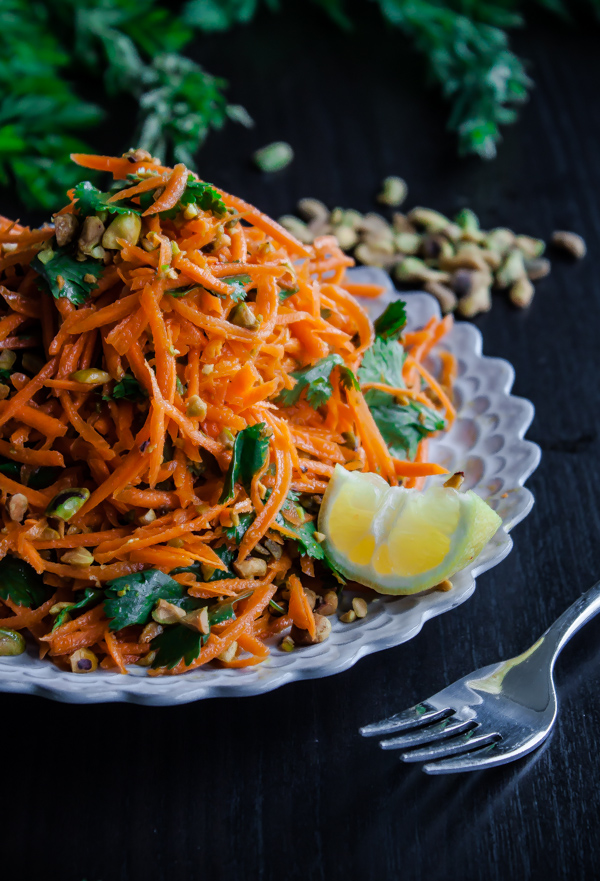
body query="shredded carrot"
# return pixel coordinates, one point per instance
(198, 329)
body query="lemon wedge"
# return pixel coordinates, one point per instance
(397, 540)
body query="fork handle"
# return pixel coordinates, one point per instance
(572, 619)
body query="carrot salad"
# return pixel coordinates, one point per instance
(179, 377)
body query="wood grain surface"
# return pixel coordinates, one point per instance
(281, 786)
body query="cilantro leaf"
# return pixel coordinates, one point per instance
(90, 595)
(391, 323)
(90, 200)
(64, 276)
(348, 379)
(284, 294)
(250, 451)
(383, 363)
(236, 533)
(403, 426)
(11, 469)
(20, 583)
(204, 196)
(237, 282)
(128, 388)
(175, 643)
(130, 599)
(315, 379)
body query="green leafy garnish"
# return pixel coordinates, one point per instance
(91, 200)
(237, 282)
(204, 196)
(44, 476)
(402, 426)
(391, 323)
(175, 643)
(383, 363)
(250, 450)
(236, 533)
(90, 595)
(21, 584)
(64, 275)
(11, 469)
(128, 388)
(315, 379)
(284, 293)
(131, 598)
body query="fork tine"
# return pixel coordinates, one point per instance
(414, 717)
(429, 734)
(450, 749)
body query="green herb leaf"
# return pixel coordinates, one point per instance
(44, 476)
(20, 583)
(237, 282)
(90, 595)
(236, 533)
(128, 388)
(391, 323)
(131, 598)
(383, 363)
(11, 469)
(71, 271)
(315, 379)
(90, 200)
(404, 426)
(204, 196)
(177, 643)
(250, 450)
(284, 294)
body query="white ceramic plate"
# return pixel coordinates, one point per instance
(486, 442)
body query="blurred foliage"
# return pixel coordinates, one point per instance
(135, 49)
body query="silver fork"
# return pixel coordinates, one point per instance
(494, 715)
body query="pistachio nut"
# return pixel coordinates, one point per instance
(512, 268)
(371, 256)
(530, 247)
(521, 292)
(83, 661)
(242, 316)
(65, 228)
(297, 228)
(430, 220)
(411, 269)
(536, 268)
(91, 376)
(196, 407)
(12, 643)
(7, 359)
(67, 502)
(443, 294)
(91, 235)
(273, 157)
(436, 247)
(393, 192)
(500, 239)
(407, 242)
(126, 227)
(570, 242)
(401, 223)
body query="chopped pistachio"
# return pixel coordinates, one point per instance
(360, 607)
(273, 157)
(196, 408)
(78, 557)
(17, 507)
(91, 376)
(12, 643)
(83, 661)
(125, 227)
(67, 502)
(394, 191)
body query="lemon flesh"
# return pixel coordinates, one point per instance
(397, 540)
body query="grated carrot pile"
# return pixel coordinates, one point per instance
(162, 315)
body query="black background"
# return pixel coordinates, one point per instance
(281, 786)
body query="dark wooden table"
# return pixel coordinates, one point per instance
(282, 786)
